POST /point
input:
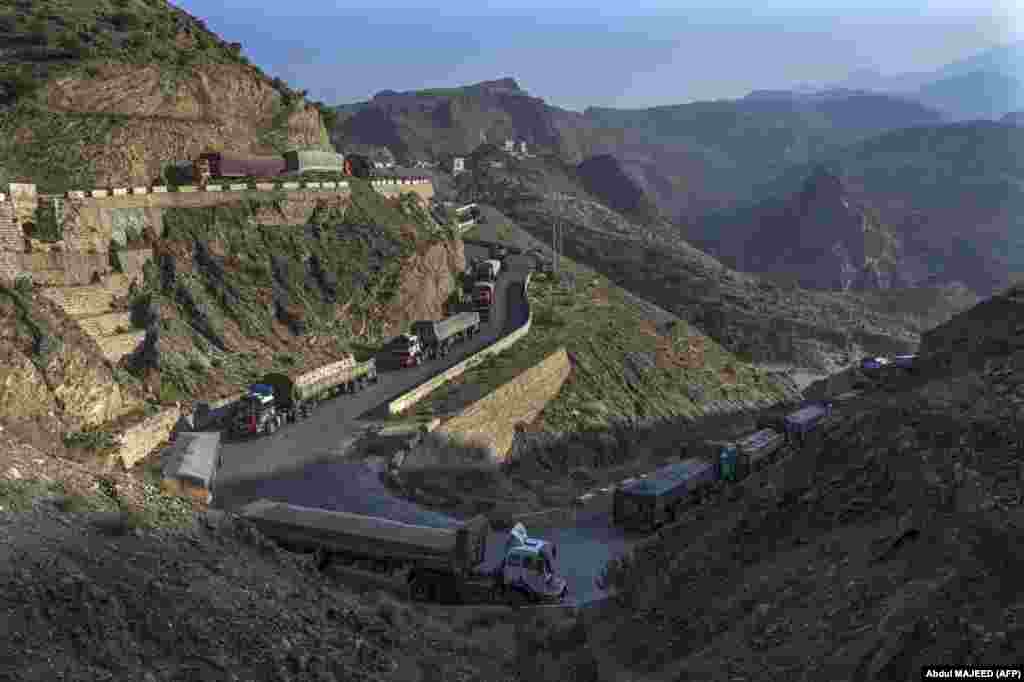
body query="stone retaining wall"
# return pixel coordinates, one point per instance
(406, 400)
(145, 437)
(91, 219)
(491, 421)
(93, 299)
(63, 268)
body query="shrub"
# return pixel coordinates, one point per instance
(96, 440)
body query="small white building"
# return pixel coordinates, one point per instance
(510, 146)
(458, 164)
(522, 147)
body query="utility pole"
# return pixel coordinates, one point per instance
(558, 236)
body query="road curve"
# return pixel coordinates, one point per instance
(305, 463)
(257, 466)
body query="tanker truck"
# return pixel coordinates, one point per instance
(436, 338)
(436, 564)
(280, 398)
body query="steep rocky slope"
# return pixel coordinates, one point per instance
(820, 236)
(949, 197)
(224, 300)
(757, 319)
(90, 596)
(54, 379)
(698, 157)
(111, 93)
(434, 124)
(604, 177)
(689, 159)
(885, 545)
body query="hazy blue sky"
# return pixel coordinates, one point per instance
(609, 53)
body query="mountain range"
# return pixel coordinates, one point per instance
(929, 204)
(908, 196)
(985, 85)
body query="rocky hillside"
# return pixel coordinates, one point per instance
(689, 159)
(435, 124)
(55, 380)
(224, 301)
(101, 93)
(942, 201)
(884, 546)
(97, 596)
(757, 319)
(604, 177)
(820, 236)
(693, 158)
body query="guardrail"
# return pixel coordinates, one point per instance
(108, 192)
(404, 401)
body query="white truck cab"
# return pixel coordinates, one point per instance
(528, 569)
(408, 349)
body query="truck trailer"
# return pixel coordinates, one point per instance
(758, 447)
(437, 564)
(488, 270)
(647, 503)
(436, 337)
(280, 398)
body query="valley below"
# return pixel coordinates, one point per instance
(693, 286)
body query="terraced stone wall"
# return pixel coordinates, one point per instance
(491, 421)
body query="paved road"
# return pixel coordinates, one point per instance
(583, 551)
(302, 462)
(305, 462)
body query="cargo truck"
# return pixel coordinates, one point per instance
(755, 450)
(436, 564)
(644, 504)
(407, 350)
(279, 398)
(805, 420)
(436, 337)
(488, 270)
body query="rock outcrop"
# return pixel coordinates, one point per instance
(54, 377)
(821, 236)
(218, 106)
(428, 279)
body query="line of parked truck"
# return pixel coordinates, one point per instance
(647, 503)
(213, 165)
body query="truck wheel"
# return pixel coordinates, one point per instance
(270, 427)
(418, 590)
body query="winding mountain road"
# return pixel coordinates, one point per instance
(307, 463)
